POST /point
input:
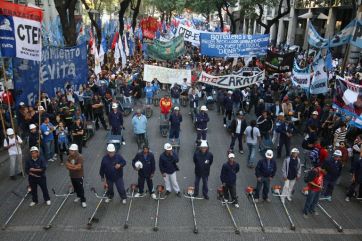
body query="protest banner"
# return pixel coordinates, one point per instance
(166, 75)
(301, 77)
(279, 63)
(231, 81)
(348, 100)
(164, 51)
(20, 31)
(233, 45)
(319, 84)
(60, 67)
(190, 34)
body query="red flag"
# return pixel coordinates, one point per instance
(115, 39)
(90, 39)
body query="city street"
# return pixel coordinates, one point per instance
(175, 217)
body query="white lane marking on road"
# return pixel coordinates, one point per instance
(182, 229)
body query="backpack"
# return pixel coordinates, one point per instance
(7, 139)
(314, 156)
(310, 175)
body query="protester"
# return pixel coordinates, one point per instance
(35, 167)
(333, 167)
(47, 129)
(165, 107)
(175, 123)
(13, 143)
(144, 164)
(315, 185)
(203, 160)
(228, 179)
(111, 172)
(265, 171)
(291, 171)
(168, 166)
(75, 167)
(237, 128)
(252, 134)
(202, 119)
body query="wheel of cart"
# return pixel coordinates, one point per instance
(156, 100)
(164, 127)
(148, 111)
(115, 140)
(90, 129)
(141, 140)
(183, 100)
(210, 102)
(127, 108)
(175, 144)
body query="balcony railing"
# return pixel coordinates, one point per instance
(322, 3)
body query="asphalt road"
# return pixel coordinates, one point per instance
(175, 217)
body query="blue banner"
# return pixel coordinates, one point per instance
(60, 67)
(356, 39)
(233, 45)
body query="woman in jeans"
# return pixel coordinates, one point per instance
(252, 134)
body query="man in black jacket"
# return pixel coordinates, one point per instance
(35, 167)
(144, 164)
(265, 125)
(237, 128)
(203, 160)
(228, 179)
(265, 172)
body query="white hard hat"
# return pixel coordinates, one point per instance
(114, 106)
(32, 126)
(281, 114)
(203, 143)
(177, 108)
(315, 112)
(34, 148)
(21, 103)
(167, 147)
(337, 153)
(111, 148)
(230, 92)
(231, 155)
(269, 154)
(9, 132)
(295, 150)
(73, 147)
(203, 108)
(138, 165)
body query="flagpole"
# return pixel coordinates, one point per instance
(39, 104)
(11, 115)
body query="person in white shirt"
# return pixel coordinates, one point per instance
(12, 144)
(252, 134)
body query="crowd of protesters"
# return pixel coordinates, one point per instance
(266, 116)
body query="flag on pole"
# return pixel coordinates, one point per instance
(121, 49)
(116, 53)
(20, 31)
(126, 49)
(97, 62)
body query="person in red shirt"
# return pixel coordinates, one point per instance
(323, 153)
(314, 190)
(165, 106)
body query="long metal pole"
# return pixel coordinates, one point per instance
(11, 115)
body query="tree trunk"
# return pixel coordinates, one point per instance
(123, 8)
(219, 13)
(275, 20)
(94, 23)
(162, 17)
(136, 11)
(66, 10)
